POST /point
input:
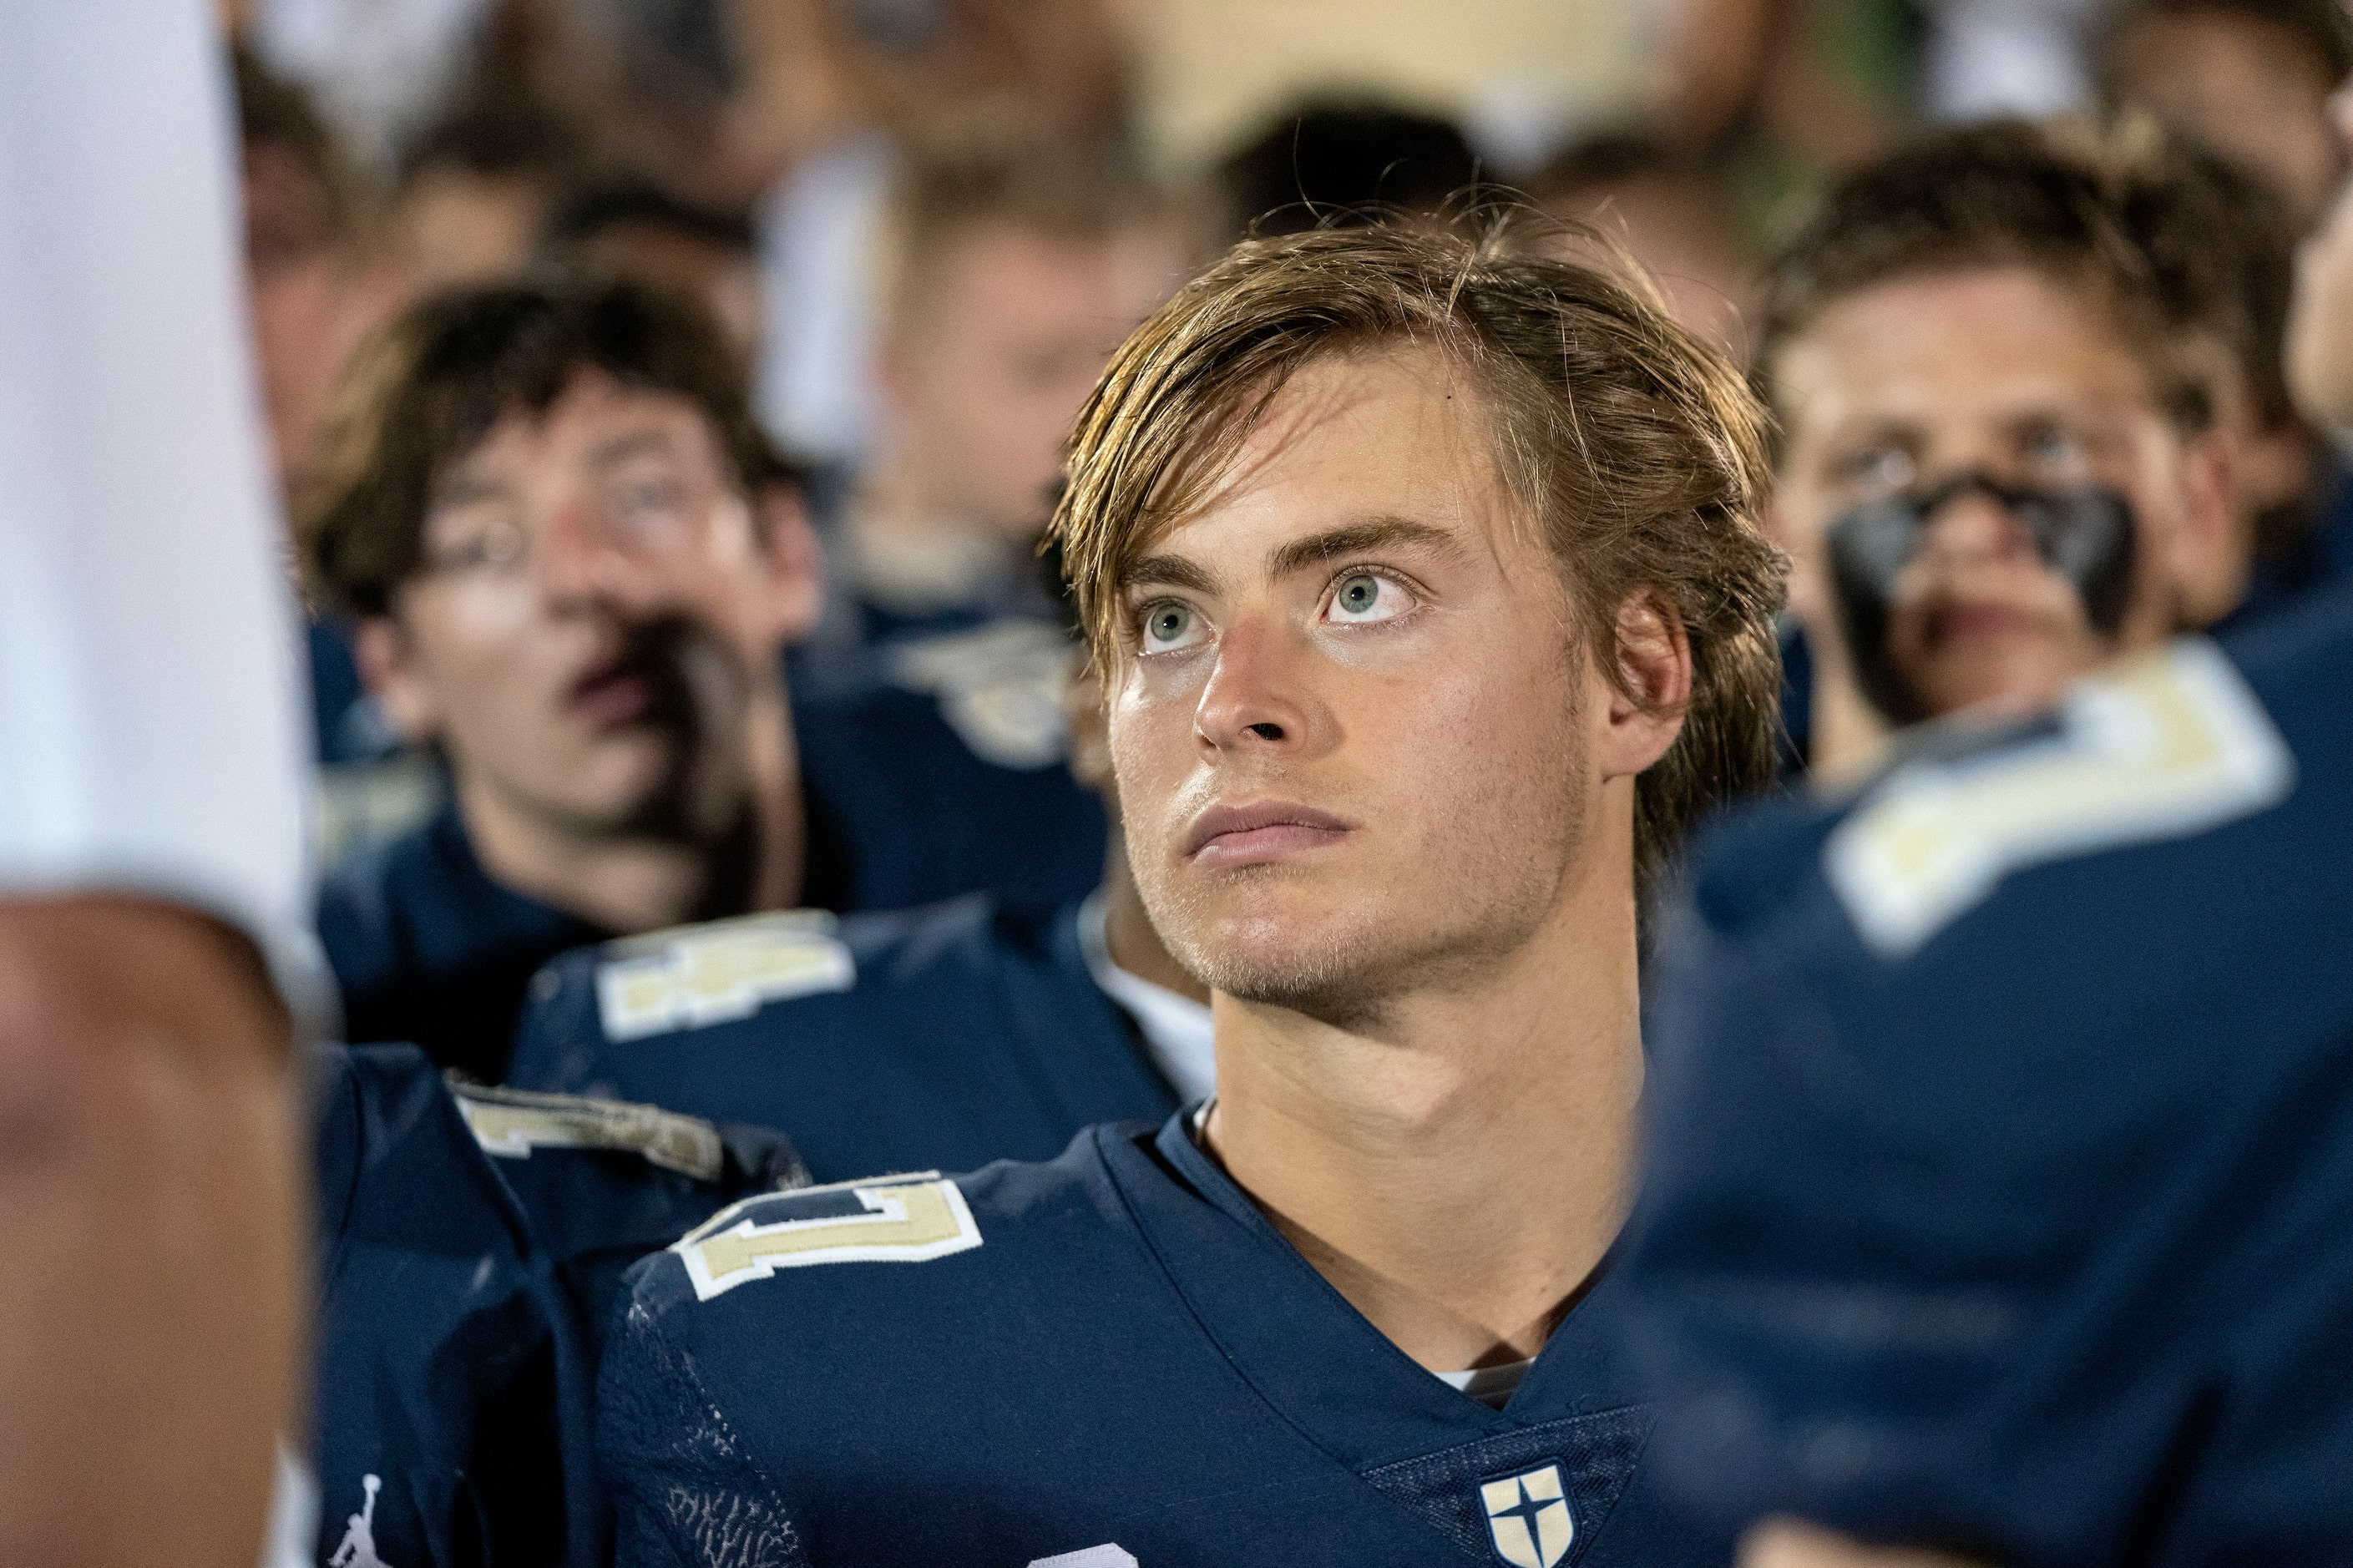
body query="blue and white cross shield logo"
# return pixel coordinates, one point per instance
(1528, 1517)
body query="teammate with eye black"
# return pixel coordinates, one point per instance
(1413, 683)
(2001, 358)
(2002, 1137)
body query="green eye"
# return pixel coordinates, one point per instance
(1357, 595)
(1167, 624)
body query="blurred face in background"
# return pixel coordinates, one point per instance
(596, 608)
(2320, 326)
(454, 226)
(312, 297)
(999, 343)
(2006, 374)
(2245, 87)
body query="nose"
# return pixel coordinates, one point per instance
(579, 559)
(1973, 527)
(1253, 702)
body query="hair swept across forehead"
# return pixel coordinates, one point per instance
(1637, 450)
(2184, 257)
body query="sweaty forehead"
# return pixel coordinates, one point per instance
(1397, 433)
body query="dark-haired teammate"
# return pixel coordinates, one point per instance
(977, 1029)
(1411, 692)
(571, 562)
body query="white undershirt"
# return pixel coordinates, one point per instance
(1176, 1032)
(1490, 1385)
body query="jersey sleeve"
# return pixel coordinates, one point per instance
(149, 719)
(684, 1493)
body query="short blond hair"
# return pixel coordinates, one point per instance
(1639, 450)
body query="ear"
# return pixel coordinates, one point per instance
(386, 657)
(793, 575)
(2208, 555)
(1653, 692)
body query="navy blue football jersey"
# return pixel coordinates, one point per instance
(1112, 1353)
(947, 767)
(471, 1245)
(942, 1038)
(2001, 1132)
(427, 948)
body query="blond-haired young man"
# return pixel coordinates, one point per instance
(1423, 579)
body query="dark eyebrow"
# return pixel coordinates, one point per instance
(1166, 572)
(1358, 538)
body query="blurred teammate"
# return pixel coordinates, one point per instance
(1017, 271)
(943, 1038)
(2249, 78)
(935, 687)
(1670, 215)
(1412, 693)
(572, 566)
(1996, 356)
(2002, 1138)
(2060, 1134)
(151, 871)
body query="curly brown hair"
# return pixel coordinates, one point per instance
(1637, 449)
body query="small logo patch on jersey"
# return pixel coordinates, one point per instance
(1104, 1556)
(892, 1219)
(512, 1122)
(713, 974)
(2167, 744)
(1528, 1519)
(357, 1549)
(1001, 688)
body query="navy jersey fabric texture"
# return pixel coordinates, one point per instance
(346, 724)
(927, 817)
(1111, 1349)
(462, 1296)
(948, 1036)
(2002, 1134)
(427, 949)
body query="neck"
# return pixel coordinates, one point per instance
(1129, 936)
(1849, 737)
(633, 882)
(1457, 1171)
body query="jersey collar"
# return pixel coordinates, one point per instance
(1310, 1354)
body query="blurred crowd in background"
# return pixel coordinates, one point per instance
(920, 225)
